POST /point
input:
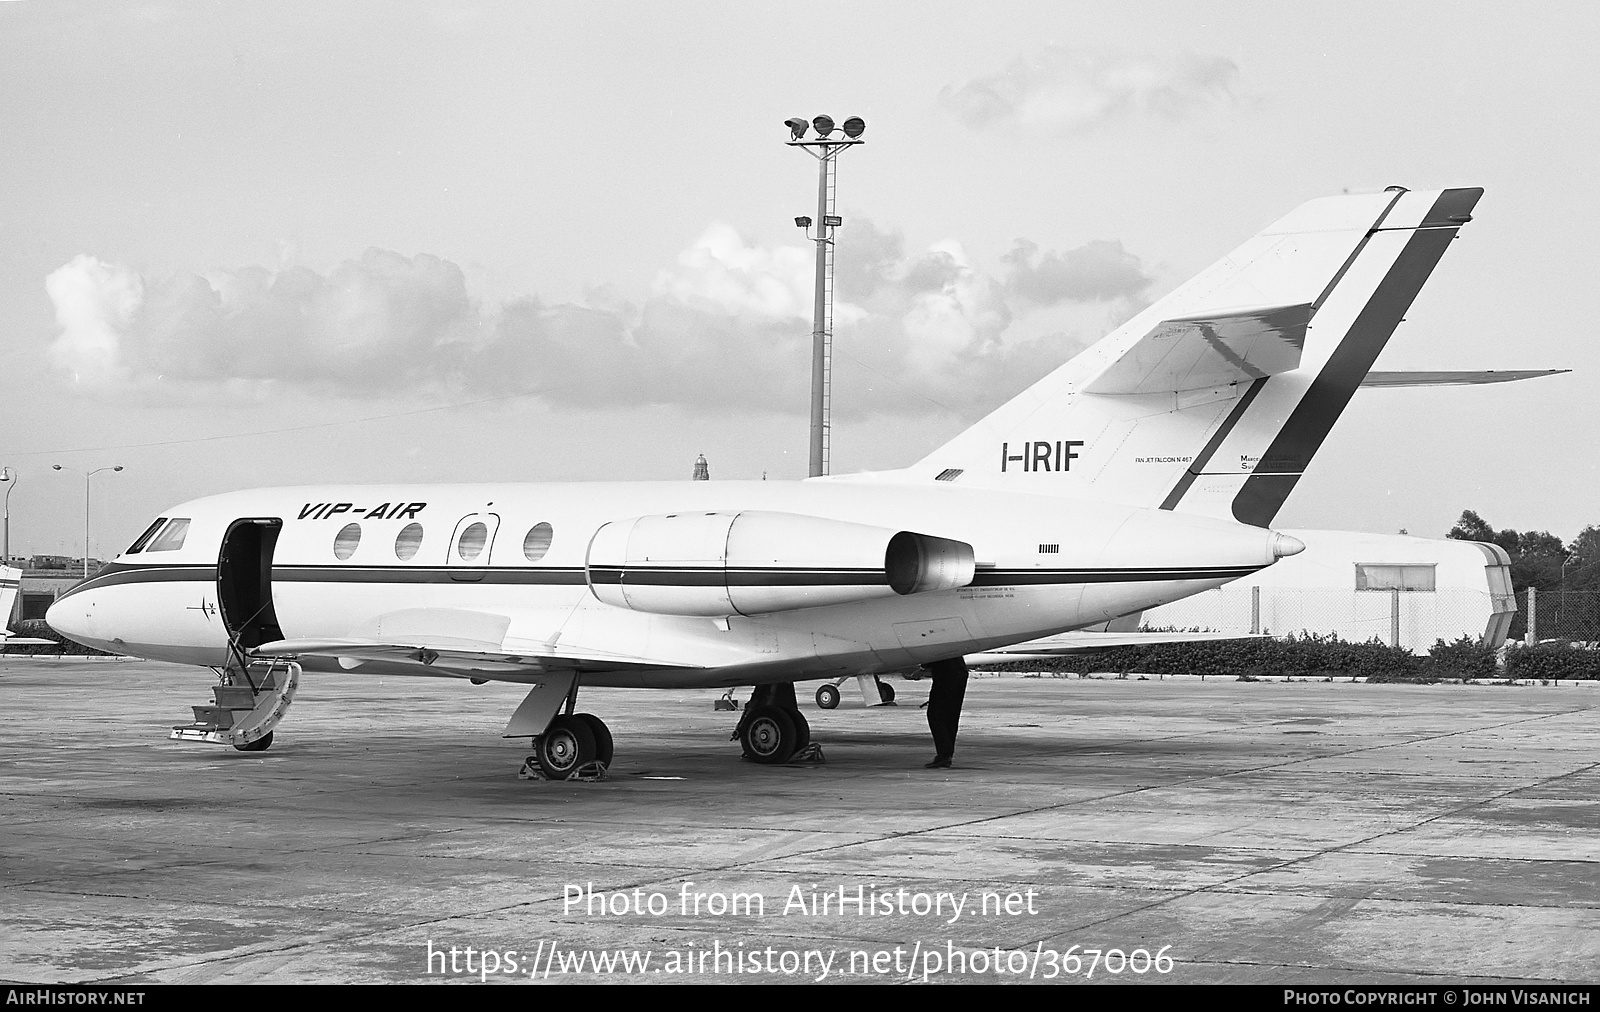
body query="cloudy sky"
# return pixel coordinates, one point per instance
(272, 243)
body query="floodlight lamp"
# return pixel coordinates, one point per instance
(804, 221)
(833, 221)
(824, 125)
(854, 127)
(797, 127)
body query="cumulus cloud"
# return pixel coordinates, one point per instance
(725, 327)
(1064, 90)
(1095, 271)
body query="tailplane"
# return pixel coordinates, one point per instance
(10, 586)
(1214, 399)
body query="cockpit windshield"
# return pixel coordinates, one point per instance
(171, 537)
(149, 532)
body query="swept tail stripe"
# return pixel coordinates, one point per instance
(1204, 456)
(1198, 466)
(1345, 267)
(1264, 492)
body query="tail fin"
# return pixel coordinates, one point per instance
(1214, 399)
(10, 585)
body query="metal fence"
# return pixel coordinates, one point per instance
(1415, 620)
(1567, 616)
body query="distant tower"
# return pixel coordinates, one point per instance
(701, 471)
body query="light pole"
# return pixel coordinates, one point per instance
(825, 148)
(86, 476)
(10, 478)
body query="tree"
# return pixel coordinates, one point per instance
(1583, 560)
(1536, 556)
(1471, 527)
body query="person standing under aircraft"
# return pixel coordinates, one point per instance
(944, 708)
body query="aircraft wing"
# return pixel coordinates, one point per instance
(452, 660)
(1063, 644)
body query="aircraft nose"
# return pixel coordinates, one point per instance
(1285, 545)
(69, 616)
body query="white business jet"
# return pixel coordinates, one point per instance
(1142, 471)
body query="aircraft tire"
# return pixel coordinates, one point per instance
(770, 736)
(604, 748)
(566, 744)
(885, 692)
(802, 729)
(828, 696)
(261, 744)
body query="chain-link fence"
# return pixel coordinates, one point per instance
(1415, 620)
(1567, 616)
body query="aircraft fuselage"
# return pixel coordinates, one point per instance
(346, 560)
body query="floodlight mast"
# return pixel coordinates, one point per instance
(825, 148)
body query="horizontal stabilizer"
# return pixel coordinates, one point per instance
(1454, 377)
(1209, 349)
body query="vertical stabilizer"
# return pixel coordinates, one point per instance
(10, 586)
(1214, 399)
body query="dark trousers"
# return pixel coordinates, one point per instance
(944, 703)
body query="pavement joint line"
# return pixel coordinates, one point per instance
(1325, 851)
(1216, 886)
(1371, 898)
(1471, 978)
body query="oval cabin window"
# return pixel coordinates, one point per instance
(407, 542)
(472, 541)
(537, 542)
(345, 542)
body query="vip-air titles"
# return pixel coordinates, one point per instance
(387, 511)
(1040, 455)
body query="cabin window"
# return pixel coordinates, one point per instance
(149, 532)
(345, 542)
(472, 541)
(1392, 577)
(407, 542)
(171, 537)
(537, 542)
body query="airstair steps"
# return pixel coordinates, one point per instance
(234, 697)
(217, 716)
(247, 707)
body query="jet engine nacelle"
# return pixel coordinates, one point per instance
(754, 562)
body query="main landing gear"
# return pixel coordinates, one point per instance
(576, 746)
(772, 729)
(572, 746)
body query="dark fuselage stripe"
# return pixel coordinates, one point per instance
(684, 577)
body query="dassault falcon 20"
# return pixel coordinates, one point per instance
(1146, 469)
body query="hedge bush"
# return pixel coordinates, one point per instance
(1311, 655)
(1553, 660)
(37, 628)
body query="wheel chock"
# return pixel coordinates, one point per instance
(811, 755)
(590, 772)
